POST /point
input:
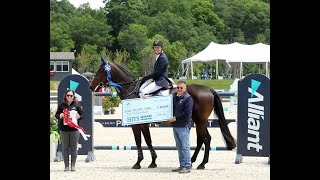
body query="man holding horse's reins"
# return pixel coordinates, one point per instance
(159, 74)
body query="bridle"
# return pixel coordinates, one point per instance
(109, 83)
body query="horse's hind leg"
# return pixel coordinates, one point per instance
(199, 144)
(147, 137)
(206, 139)
(137, 137)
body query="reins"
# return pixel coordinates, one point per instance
(134, 85)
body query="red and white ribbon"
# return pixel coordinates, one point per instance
(74, 124)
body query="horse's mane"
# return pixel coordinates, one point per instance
(125, 70)
(134, 88)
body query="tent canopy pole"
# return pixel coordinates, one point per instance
(191, 70)
(240, 70)
(217, 73)
(267, 69)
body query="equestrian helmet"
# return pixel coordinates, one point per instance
(158, 43)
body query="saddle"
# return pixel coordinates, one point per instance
(164, 91)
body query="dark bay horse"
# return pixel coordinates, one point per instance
(205, 100)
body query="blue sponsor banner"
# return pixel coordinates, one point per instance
(253, 123)
(80, 85)
(211, 123)
(147, 110)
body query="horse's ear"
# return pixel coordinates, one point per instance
(103, 60)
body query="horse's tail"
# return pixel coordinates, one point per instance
(218, 109)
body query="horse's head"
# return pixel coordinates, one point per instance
(100, 77)
(111, 74)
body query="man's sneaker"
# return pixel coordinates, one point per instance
(177, 169)
(184, 170)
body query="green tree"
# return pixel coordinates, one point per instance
(121, 57)
(125, 29)
(202, 12)
(134, 68)
(155, 6)
(62, 7)
(60, 39)
(233, 13)
(88, 60)
(133, 39)
(171, 26)
(88, 27)
(256, 21)
(121, 13)
(60, 13)
(82, 62)
(176, 52)
(181, 8)
(200, 39)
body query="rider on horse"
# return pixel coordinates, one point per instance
(159, 74)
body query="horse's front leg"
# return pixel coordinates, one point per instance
(147, 137)
(137, 137)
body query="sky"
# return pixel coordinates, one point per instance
(94, 4)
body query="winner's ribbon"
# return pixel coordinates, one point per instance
(74, 123)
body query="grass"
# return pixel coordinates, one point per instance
(214, 84)
(54, 85)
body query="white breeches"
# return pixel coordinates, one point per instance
(148, 87)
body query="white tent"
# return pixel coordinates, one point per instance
(235, 52)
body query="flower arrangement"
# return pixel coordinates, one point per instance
(106, 103)
(110, 102)
(115, 100)
(53, 127)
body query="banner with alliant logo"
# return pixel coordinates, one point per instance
(253, 123)
(147, 110)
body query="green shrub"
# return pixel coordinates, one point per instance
(53, 126)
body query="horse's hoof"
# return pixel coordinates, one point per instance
(136, 166)
(152, 165)
(200, 167)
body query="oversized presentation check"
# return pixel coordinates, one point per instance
(147, 110)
